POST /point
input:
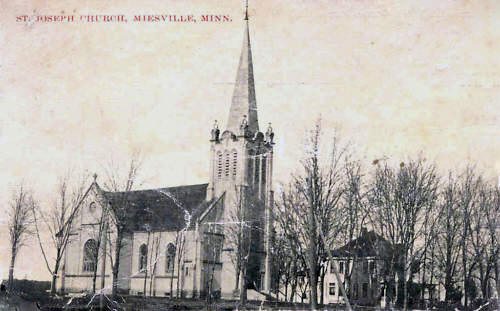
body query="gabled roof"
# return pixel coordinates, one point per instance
(163, 209)
(368, 244)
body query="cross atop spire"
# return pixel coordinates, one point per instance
(246, 11)
(243, 101)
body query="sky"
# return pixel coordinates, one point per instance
(395, 78)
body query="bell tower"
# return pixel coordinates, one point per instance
(241, 164)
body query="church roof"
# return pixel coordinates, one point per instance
(163, 209)
(243, 102)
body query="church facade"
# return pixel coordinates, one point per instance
(194, 240)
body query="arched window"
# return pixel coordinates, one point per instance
(219, 164)
(90, 256)
(258, 164)
(251, 156)
(143, 257)
(263, 172)
(226, 164)
(170, 256)
(92, 207)
(235, 162)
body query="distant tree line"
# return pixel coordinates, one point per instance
(445, 227)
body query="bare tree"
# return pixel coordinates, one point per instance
(234, 237)
(58, 220)
(120, 183)
(316, 192)
(401, 199)
(153, 261)
(19, 224)
(147, 227)
(212, 248)
(290, 235)
(493, 226)
(98, 233)
(468, 186)
(355, 211)
(481, 258)
(448, 241)
(180, 248)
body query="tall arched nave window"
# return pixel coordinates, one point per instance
(90, 256)
(143, 257)
(170, 258)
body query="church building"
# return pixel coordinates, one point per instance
(192, 240)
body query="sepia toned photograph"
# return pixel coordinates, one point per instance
(250, 155)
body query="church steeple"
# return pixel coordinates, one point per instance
(243, 104)
(241, 173)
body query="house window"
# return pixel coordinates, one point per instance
(365, 289)
(341, 267)
(143, 257)
(186, 271)
(90, 256)
(365, 266)
(340, 291)
(170, 258)
(331, 289)
(372, 267)
(219, 164)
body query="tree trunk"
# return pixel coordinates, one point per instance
(314, 288)
(94, 279)
(313, 257)
(177, 294)
(405, 283)
(172, 281)
(53, 284)
(54, 273)
(243, 286)
(322, 286)
(286, 290)
(293, 289)
(103, 266)
(116, 266)
(238, 268)
(11, 269)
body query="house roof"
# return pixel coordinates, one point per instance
(368, 244)
(163, 209)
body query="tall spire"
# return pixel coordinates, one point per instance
(243, 102)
